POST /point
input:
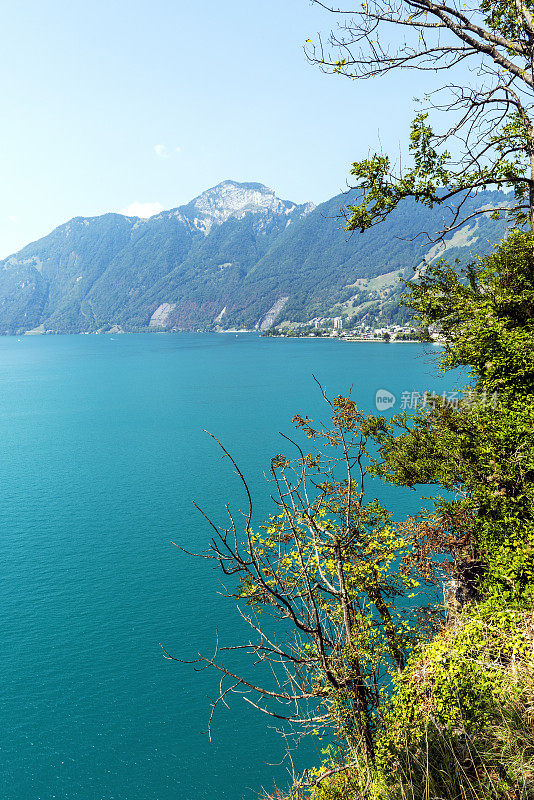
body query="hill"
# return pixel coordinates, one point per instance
(237, 255)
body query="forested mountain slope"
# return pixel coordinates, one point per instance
(228, 258)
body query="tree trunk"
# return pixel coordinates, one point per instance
(357, 684)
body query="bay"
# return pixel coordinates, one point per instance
(102, 451)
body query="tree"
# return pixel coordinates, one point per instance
(321, 567)
(488, 127)
(480, 447)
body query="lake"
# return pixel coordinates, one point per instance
(102, 453)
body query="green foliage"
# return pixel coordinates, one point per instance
(382, 194)
(435, 177)
(487, 315)
(482, 449)
(460, 721)
(457, 681)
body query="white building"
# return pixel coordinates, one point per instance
(338, 323)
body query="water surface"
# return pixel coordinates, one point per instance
(102, 452)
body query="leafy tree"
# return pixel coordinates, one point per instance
(488, 125)
(323, 568)
(481, 446)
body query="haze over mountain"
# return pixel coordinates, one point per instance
(237, 255)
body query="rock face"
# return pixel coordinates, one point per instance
(231, 199)
(236, 255)
(462, 588)
(161, 315)
(270, 317)
(219, 318)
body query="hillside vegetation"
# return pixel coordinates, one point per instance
(224, 260)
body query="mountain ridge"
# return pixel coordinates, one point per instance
(224, 259)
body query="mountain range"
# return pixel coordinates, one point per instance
(235, 256)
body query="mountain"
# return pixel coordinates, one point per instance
(237, 255)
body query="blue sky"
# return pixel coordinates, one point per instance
(107, 104)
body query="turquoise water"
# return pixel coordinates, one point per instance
(102, 452)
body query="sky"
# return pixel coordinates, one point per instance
(129, 106)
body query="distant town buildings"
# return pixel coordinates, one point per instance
(327, 322)
(347, 329)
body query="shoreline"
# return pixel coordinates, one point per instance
(354, 339)
(235, 332)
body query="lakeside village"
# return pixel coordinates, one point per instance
(332, 327)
